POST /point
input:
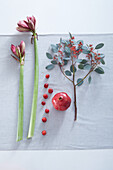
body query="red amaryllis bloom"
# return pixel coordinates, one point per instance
(19, 52)
(27, 26)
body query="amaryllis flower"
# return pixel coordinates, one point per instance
(19, 52)
(27, 26)
(19, 55)
(30, 26)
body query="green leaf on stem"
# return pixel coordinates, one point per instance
(78, 60)
(99, 70)
(102, 61)
(89, 79)
(68, 73)
(50, 67)
(49, 55)
(67, 50)
(54, 62)
(65, 62)
(85, 51)
(71, 69)
(84, 48)
(81, 66)
(80, 81)
(87, 67)
(54, 48)
(100, 45)
(83, 61)
(70, 35)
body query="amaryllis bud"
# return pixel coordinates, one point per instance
(22, 48)
(19, 52)
(13, 49)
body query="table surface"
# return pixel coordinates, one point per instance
(60, 16)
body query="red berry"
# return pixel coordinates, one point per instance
(43, 132)
(46, 110)
(46, 85)
(45, 96)
(50, 90)
(44, 119)
(43, 103)
(47, 76)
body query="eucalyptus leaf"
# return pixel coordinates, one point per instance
(87, 67)
(71, 69)
(68, 73)
(81, 66)
(99, 70)
(80, 80)
(67, 50)
(49, 55)
(70, 35)
(85, 51)
(67, 58)
(83, 61)
(102, 61)
(84, 48)
(89, 79)
(50, 67)
(65, 62)
(54, 48)
(54, 62)
(78, 60)
(98, 46)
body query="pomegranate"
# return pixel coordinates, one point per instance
(61, 101)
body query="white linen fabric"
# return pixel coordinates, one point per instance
(94, 126)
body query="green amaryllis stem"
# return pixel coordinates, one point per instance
(35, 93)
(21, 105)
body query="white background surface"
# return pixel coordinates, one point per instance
(58, 16)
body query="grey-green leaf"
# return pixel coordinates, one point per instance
(83, 61)
(85, 51)
(100, 45)
(54, 62)
(102, 61)
(71, 69)
(80, 81)
(67, 50)
(87, 67)
(49, 55)
(65, 62)
(81, 66)
(50, 67)
(99, 70)
(70, 35)
(89, 79)
(54, 48)
(68, 73)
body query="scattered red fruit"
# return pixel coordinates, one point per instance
(45, 96)
(61, 101)
(47, 76)
(46, 85)
(46, 110)
(50, 90)
(43, 132)
(44, 119)
(43, 103)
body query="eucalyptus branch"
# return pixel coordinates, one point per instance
(64, 73)
(92, 68)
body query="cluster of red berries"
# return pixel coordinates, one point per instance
(96, 58)
(45, 96)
